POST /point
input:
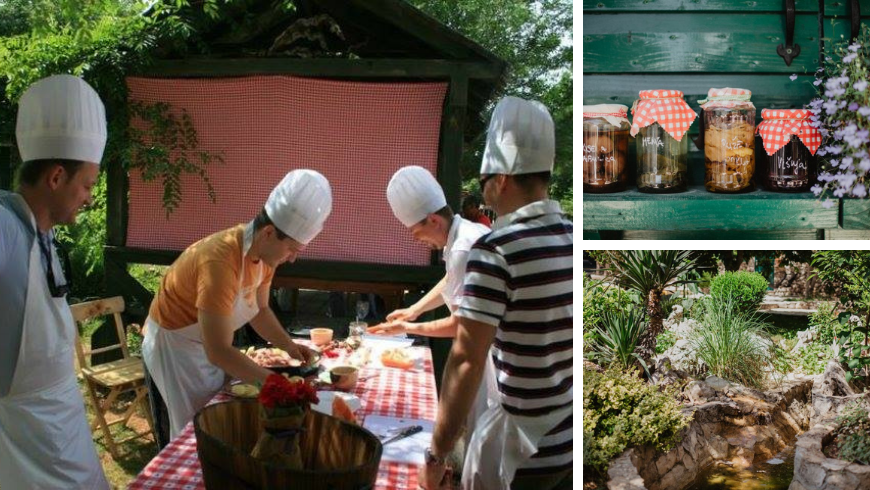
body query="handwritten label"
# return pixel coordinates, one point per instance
(590, 153)
(735, 143)
(790, 163)
(653, 141)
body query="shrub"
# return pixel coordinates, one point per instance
(665, 341)
(617, 340)
(853, 434)
(745, 290)
(600, 298)
(730, 342)
(825, 323)
(621, 411)
(813, 358)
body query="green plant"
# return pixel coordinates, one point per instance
(706, 278)
(621, 411)
(600, 297)
(825, 323)
(853, 347)
(617, 340)
(665, 341)
(853, 433)
(813, 358)
(649, 272)
(851, 269)
(745, 290)
(730, 342)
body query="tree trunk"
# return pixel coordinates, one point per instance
(655, 327)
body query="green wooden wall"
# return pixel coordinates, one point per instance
(693, 45)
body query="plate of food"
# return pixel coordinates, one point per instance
(302, 332)
(279, 361)
(399, 358)
(242, 390)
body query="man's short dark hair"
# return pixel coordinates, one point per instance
(531, 182)
(30, 171)
(262, 219)
(471, 201)
(446, 212)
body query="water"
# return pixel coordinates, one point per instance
(760, 476)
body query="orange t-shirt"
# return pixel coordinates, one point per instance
(206, 277)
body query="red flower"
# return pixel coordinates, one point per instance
(279, 391)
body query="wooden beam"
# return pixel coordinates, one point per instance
(314, 269)
(6, 173)
(450, 149)
(321, 67)
(116, 203)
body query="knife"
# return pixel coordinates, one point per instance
(406, 432)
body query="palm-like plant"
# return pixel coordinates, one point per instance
(649, 272)
(618, 338)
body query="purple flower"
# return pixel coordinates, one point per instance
(853, 106)
(859, 190)
(793, 77)
(860, 85)
(817, 83)
(830, 106)
(846, 181)
(854, 47)
(847, 162)
(828, 204)
(864, 111)
(839, 192)
(835, 162)
(816, 189)
(850, 58)
(864, 164)
(835, 150)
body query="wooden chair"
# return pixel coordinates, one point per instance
(118, 377)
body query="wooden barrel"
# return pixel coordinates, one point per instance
(336, 455)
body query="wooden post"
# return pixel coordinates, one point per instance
(116, 205)
(452, 129)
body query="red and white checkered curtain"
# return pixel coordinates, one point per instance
(357, 134)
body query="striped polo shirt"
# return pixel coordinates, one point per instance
(519, 279)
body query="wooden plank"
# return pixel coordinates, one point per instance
(322, 67)
(698, 209)
(316, 269)
(841, 234)
(768, 90)
(841, 8)
(744, 43)
(801, 6)
(856, 214)
(724, 235)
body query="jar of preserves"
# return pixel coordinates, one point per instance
(661, 120)
(605, 148)
(729, 140)
(790, 143)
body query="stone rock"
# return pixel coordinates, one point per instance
(699, 391)
(622, 474)
(664, 374)
(833, 381)
(675, 317)
(774, 461)
(718, 447)
(717, 383)
(675, 478)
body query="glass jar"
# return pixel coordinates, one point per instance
(729, 140)
(661, 161)
(790, 166)
(661, 120)
(605, 148)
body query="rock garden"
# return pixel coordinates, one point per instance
(691, 380)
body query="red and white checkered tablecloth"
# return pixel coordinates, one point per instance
(383, 391)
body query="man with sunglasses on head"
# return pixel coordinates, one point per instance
(516, 307)
(45, 440)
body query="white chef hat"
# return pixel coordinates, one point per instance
(520, 138)
(61, 117)
(300, 204)
(413, 194)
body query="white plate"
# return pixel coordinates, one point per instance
(325, 404)
(302, 332)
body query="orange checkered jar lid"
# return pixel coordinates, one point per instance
(779, 125)
(727, 98)
(665, 107)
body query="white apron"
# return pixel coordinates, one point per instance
(177, 361)
(45, 440)
(502, 443)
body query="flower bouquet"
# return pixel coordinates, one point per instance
(284, 404)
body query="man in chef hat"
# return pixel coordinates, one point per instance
(45, 440)
(418, 201)
(517, 299)
(215, 287)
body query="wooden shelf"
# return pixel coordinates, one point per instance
(697, 209)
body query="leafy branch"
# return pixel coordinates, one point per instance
(166, 149)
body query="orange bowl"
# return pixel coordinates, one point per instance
(321, 336)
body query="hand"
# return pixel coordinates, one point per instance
(406, 314)
(390, 328)
(435, 476)
(303, 353)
